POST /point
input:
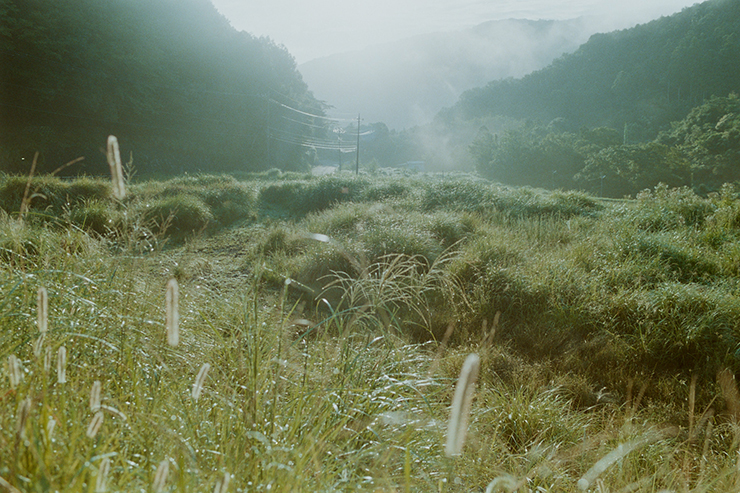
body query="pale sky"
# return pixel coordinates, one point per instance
(314, 28)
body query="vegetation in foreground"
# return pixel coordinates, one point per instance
(323, 323)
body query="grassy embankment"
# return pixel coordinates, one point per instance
(335, 314)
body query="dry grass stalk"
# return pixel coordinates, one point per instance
(15, 371)
(172, 317)
(160, 478)
(95, 396)
(101, 484)
(95, 423)
(42, 310)
(116, 170)
(728, 385)
(199, 380)
(62, 365)
(461, 403)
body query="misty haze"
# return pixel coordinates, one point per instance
(400, 245)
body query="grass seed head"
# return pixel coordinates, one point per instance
(160, 478)
(172, 318)
(38, 345)
(461, 403)
(101, 485)
(24, 410)
(199, 380)
(116, 170)
(223, 485)
(15, 371)
(95, 423)
(42, 310)
(95, 396)
(62, 365)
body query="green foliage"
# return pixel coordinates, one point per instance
(118, 67)
(304, 197)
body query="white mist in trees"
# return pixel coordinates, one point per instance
(461, 403)
(116, 170)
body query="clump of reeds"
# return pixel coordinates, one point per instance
(116, 169)
(461, 403)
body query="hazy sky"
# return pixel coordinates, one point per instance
(315, 28)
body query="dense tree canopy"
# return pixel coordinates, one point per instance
(172, 79)
(646, 76)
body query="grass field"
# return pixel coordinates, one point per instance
(323, 323)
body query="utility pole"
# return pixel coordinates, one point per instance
(357, 163)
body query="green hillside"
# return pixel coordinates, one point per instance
(173, 80)
(648, 75)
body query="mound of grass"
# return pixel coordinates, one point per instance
(178, 215)
(300, 198)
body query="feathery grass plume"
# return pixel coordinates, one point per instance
(47, 360)
(172, 317)
(95, 423)
(38, 345)
(95, 396)
(50, 425)
(62, 365)
(101, 484)
(15, 372)
(160, 478)
(116, 170)
(24, 410)
(461, 403)
(42, 310)
(198, 385)
(223, 485)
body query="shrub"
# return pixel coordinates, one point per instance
(178, 215)
(94, 216)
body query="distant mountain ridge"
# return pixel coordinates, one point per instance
(644, 77)
(406, 83)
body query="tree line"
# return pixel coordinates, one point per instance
(180, 87)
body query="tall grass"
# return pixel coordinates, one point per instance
(320, 352)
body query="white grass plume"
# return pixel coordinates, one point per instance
(42, 310)
(95, 396)
(160, 478)
(101, 484)
(116, 170)
(199, 380)
(461, 403)
(172, 317)
(62, 365)
(95, 423)
(15, 371)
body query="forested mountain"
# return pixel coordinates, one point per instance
(644, 77)
(405, 83)
(180, 87)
